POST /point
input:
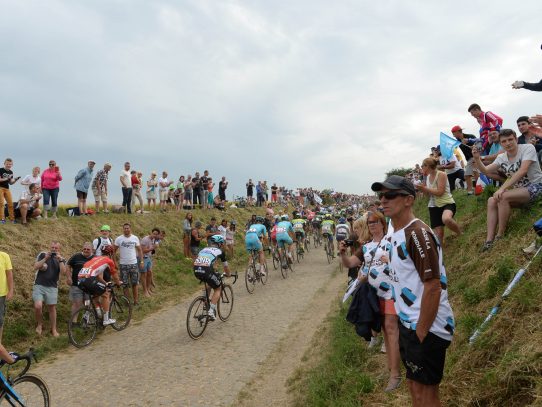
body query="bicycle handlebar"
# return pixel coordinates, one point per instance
(26, 357)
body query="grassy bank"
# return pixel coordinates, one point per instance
(503, 368)
(173, 273)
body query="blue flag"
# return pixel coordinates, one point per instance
(448, 145)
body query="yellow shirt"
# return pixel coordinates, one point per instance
(5, 265)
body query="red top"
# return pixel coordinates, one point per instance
(135, 180)
(96, 266)
(50, 179)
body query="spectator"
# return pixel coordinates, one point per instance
(259, 194)
(75, 264)
(205, 189)
(374, 256)
(50, 185)
(488, 121)
(467, 141)
(230, 239)
(265, 191)
(6, 287)
(274, 190)
(7, 179)
(211, 229)
(48, 267)
(148, 246)
(250, 192)
(188, 193)
(210, 196)
(137, 181)
(129, 252)
(197, 192)
(441, 202)
(223, 228)
(28, 206)
(163, 191)
(527, 85)
(179, 192)
(222, 186)
(495, 148)
(103, 244)
(419, 280)
(520, 170)
(187, 229)
(33, 178)
(452, 167)
(195, 239)
(152, 183)
(99, 188)
(126, 184)
(83, 179)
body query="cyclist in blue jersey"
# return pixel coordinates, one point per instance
(285, 233)
(253, 237)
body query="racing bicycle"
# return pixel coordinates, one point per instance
(254, 272)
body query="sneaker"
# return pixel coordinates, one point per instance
(487, 246)
(393, 384)
(109, 321)
(211, 314)
(383, 348)
(470, 193)
(373, 343)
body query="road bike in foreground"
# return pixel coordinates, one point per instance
(19, 388)
(254, 272)
(197, 317)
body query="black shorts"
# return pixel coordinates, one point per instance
(92, 286)
(424, 362)
(81, 195)
(208, 276)
(435, 214)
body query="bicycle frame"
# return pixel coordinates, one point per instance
(9, 393)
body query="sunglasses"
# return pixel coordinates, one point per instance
(373, 222)
(391, 194)
(51, 164)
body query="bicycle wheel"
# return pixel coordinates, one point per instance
(298, 254)
(121, 311)
(82, 326)
(283, 264)
(196, 318)
(263, 277)
(276, 260)
(307, 244)
(225, 304)
(250, 278)
(328, 251)
(31, 391)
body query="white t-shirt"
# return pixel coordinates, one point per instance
(27, 196)
(415, 257)
(223, 231)
(126, 179)
(29, 179)
(377, 272)
(127, 249)
(99, 243)
(452, 159)
(509, 167)
(164, 180)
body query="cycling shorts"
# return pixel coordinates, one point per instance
(208, 276)
(284, 238)
(328, 235)
(92, 286)
(252, 242)
(299, 235)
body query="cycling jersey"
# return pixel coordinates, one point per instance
(274, 233)
(299, 225)
(204, 265)
(97, 266)
(342, 231)
(327, 226)
(258, 229)
(282, 232)
(253, 235)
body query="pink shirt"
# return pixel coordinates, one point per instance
(50, 179)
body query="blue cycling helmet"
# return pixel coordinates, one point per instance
(260, 219)
(342, 220)
(218, 239)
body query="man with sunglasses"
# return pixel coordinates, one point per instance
(419, 291)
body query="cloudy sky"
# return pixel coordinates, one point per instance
(302, 93)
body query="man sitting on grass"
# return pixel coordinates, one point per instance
(518, 167)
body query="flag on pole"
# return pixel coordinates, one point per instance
(318, 199)
(448, 145)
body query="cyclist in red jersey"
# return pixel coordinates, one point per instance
(93, 279)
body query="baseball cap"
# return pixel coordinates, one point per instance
(106, 227)
(92, 161)
(456, 128)
(396, 183)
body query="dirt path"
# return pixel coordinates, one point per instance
(156, 363)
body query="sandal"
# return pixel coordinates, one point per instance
(393, 384)
(487, 246)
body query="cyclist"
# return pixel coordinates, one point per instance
(93, 278)
(285, 231)
(342, 231)
(299, 225)
(317, 223)
(204, 269)
(253, 241)
(328, 229)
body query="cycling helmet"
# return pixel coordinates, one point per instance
(218, 239)
(276, 217)
(342, 220)
(295, 214)
(285, 217)
(259, 219)
(327, 216)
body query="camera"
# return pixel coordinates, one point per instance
(53, 254)
(348, 242)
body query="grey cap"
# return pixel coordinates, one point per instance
(396, 183)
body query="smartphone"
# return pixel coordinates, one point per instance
(348, 242)
(57, 169)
